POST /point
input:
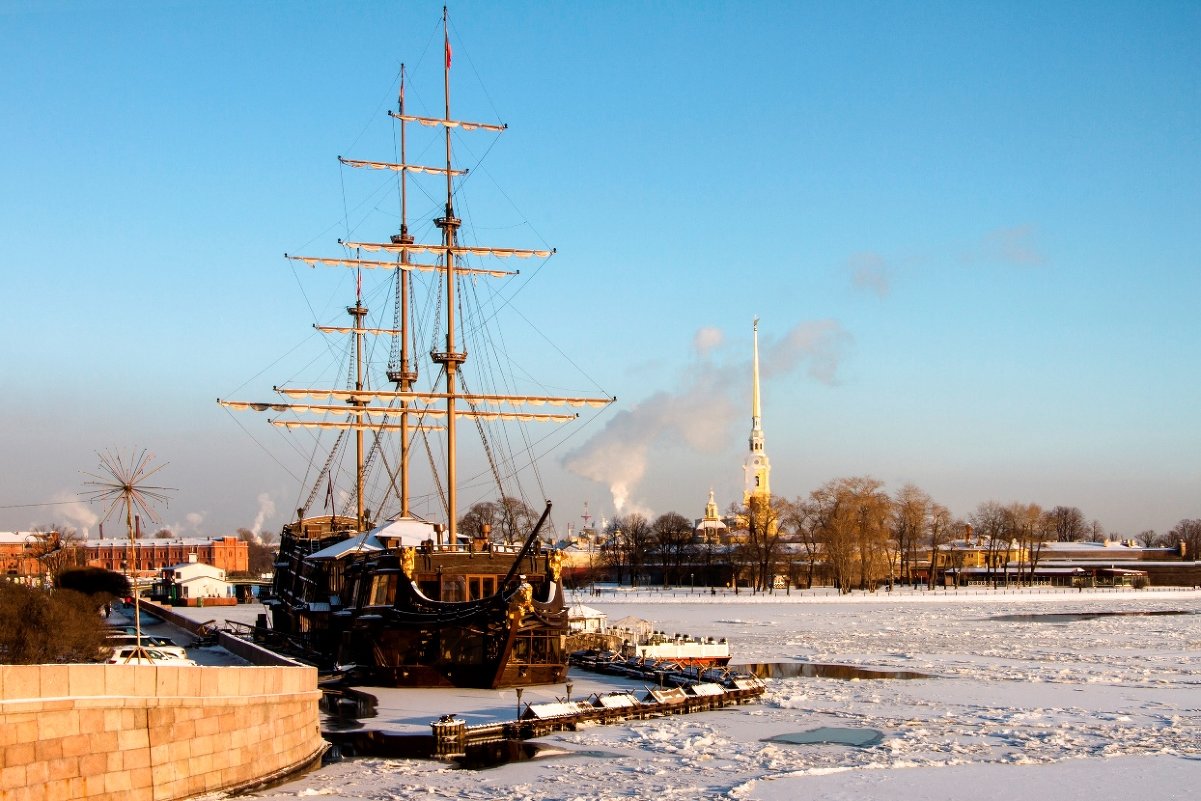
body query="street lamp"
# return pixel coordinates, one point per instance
(569, 685)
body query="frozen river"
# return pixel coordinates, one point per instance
(1073, 695)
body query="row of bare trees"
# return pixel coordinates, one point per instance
(852, 534)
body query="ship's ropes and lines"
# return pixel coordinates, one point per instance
(345, 378)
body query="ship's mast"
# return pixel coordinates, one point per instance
(450, 359)
(358, 311)
(372, 407)
(403, 375)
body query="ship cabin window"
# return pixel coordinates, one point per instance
(454, 588)
(480, 587)
(535, 648)
(337, 578)
(383, 589)
(352, 590)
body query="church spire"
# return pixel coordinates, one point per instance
(756, 410)
(757, 468)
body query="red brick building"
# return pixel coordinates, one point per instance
(151, 555)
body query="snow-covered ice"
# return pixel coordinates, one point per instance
(1018, 703)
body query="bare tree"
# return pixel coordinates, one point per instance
(913, 507)
(1187, 536)
(57, 548)
(1068, 522)
(799, 519)
(940, 529)
(854, 516)
(260, 557)
(1026, 528)
(673, 542)
(635, 539)
(507, 520)
(517, 519)
(613, 551)
(482, 521)
(992, 522)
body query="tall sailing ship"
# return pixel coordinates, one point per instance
(404, 600)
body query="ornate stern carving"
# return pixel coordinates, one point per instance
(408, 561)
(554, 564)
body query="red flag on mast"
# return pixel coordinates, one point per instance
(448, 54)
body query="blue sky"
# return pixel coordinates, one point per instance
(970, 232)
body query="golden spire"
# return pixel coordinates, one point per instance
(757, 469)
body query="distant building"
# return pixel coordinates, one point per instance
(152, 555)
(23, 555)
(711, 529)
(193, 583)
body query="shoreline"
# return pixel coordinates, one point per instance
(825, 595)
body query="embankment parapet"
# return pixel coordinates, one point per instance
(150, 733)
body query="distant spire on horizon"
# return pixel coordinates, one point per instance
(757, 468)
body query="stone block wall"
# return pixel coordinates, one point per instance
(152, 733)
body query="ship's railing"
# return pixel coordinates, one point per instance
(472, 547)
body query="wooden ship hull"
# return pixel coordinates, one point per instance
(485, 615)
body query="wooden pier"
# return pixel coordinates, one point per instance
(452, 735)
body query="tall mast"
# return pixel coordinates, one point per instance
(402, 373)
(373, 407)
(358, 312)
(450, 359)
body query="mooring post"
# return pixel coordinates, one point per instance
(450, 736)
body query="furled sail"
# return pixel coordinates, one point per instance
(363, 395)
(431, 121)
(458, 250)
(387, 165)
(313, 261)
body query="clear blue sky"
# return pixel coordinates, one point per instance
(971, 232)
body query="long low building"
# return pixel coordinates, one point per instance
(31, 555)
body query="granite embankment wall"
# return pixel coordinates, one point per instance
(149, 733)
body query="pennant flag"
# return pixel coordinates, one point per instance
(448, 54)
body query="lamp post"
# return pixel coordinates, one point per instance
(520, 690)
(569, 685)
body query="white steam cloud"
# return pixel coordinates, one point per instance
(76, 513)
(699, 416)
(266, 509)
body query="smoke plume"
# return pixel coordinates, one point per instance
(700, 416)
(266, 509)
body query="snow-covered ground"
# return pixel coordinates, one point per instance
(1024, 699)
